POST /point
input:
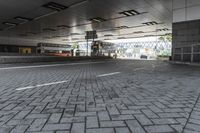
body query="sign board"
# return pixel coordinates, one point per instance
(91, 35)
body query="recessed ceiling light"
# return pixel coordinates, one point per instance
(165, 29)
(122, 27)
(9, 23)
(138, 32)
(73, 34)
(63, 26)
(149, 35)
(75, 38)
(121, 38)
(23, 19)
(168, 34)
(98, 19)
(108, 35)
(130, 13)
(65, 39)
(150, 23)
(48, 29)
(55, 36)
(55, 6)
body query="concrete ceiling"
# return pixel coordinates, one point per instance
(70, 23)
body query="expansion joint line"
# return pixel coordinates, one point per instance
(198, 98)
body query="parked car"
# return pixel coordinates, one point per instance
(143, 57)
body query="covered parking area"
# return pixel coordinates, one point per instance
(43, 91)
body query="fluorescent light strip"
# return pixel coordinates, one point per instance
(130, 13)
(23, 19)
(10, 24)
(98, 19)
(55, 6)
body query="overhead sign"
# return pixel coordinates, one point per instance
(91, 35)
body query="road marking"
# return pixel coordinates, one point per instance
(108, 74)
(41, 85)
(41, 66)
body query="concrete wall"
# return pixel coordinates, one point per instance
(186, 10)
(186, 30)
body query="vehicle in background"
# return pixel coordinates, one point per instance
(100, 48)
(144, 57)
(54, 49)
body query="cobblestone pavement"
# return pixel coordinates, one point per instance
(142, 97)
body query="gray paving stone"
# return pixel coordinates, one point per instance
(92, 122)
(193, 127)
(72, 119)
(37, 125)
(100, 130)
(159, 129)
(134, 126)
(122, 117)
(158, 101)
(143, 120)
(150, 114)
(78, 128)
(122, 130)
(103, 116)
(55, 127)
(112, 124)
(164, 121)
(22, 114)
(19, 129)
(54, 118)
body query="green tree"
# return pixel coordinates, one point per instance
(166, 38)
(75, 46)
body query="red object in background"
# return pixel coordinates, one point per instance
(66, 54)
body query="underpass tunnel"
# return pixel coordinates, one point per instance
(72, 28)
(99, 66)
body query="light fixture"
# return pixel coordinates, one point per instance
(121, 38)
(107, 39)
(130, 13)
(75, 38)
(74, 34)
(98, 19)
(48, 29)
(150, 23)
(56, 36)
(108, 35)
(138, 32)
(165, 29)
(63, 26)
(122, 27)
(55, 6)
(10, 24)
(65, 39)
(23, 19)
(149, 35)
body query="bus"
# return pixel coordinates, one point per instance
(100, 48)
(54, 49)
